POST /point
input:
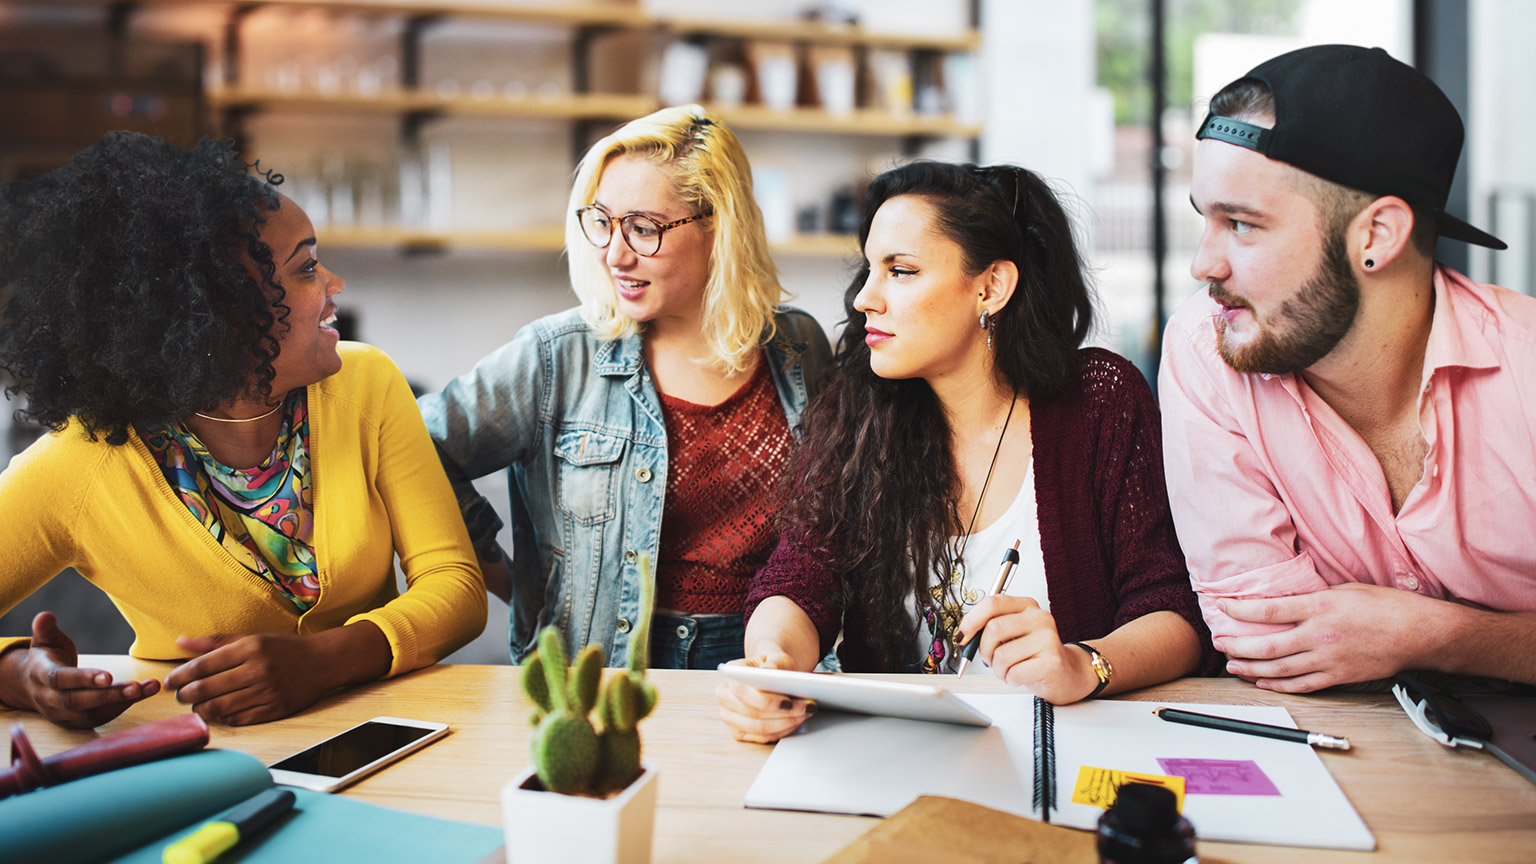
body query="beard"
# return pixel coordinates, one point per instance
(1305, 328)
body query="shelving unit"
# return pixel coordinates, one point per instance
(410, 100)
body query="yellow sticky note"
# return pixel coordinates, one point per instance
(1097, 787)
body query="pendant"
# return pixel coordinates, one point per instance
(956, 574)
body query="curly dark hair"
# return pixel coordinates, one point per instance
(128, 297)
(875, 479)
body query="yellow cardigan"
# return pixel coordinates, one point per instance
(379, 490)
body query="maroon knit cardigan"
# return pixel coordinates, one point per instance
(1106, 533)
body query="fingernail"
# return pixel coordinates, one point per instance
(1222, 605)
(1221, 646)
(786, 704)
(1232, 667)
(131, 691)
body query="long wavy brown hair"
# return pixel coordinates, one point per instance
(875, 480)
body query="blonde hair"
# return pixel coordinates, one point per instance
(710, 174)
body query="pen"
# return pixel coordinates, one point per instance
(1010, 558)
(1228, 724)
(241, 823)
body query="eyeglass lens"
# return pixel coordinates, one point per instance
(641, 232)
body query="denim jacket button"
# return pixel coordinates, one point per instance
(630, 556)
(623, 625)
(643, 474)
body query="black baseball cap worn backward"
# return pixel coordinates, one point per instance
(1361, 119)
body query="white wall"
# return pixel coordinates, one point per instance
(1500, 136)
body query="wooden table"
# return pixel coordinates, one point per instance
(1423, 802)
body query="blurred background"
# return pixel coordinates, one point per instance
(432, 142)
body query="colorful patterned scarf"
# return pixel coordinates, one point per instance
(263, 516)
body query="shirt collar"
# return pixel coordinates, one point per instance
(1456, 338)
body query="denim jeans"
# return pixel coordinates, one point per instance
(695, 642)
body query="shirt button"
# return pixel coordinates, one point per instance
(1412, 583)
(643, 474)
(630, 556)
(623, 625)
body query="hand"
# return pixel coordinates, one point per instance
(757, 716)
(249, 679)
(45, 677)
(1343, 634)
(1020, 643)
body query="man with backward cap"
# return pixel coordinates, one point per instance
(1349, 428)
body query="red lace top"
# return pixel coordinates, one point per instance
(723, 467)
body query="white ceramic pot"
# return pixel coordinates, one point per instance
(549, 828)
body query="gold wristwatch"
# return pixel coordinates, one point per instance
(1101, 667)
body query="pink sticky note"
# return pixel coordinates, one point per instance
(1220, 776)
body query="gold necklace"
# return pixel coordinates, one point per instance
(243, 419)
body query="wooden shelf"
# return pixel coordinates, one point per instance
(568, 106)
(542, 239)
(819, 246)
(863, 121)
(811, 31)
(576, 14)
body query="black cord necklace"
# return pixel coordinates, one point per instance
(957, 569)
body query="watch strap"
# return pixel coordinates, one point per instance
(1101, 667)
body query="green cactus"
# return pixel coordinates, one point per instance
(570, 755)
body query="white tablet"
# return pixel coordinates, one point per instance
(838, 692)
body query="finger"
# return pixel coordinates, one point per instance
(78, 701)
(750, 701)
(1268, 610)
(1267, 646)
(213, 686)
(228, 655)
(260, 713)
(204, 644)
(1289, 666)
(1309, 683)
(49, 636)
(1029, 660)
(992, 607)
(57, 677)
(759, 730)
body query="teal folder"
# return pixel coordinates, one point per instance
(132, 814)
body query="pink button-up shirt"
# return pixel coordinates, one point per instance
(1274, 494)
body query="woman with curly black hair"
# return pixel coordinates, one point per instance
(938, 443)
(233, 477)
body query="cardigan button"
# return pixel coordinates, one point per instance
(643, 474)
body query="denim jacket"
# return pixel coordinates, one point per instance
(577, 424)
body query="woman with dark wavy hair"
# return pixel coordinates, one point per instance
(963, 415)
(233, 477)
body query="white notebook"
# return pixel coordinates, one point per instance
(1238, 788)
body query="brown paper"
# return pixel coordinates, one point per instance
(935, 830)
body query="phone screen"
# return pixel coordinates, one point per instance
(352, 749)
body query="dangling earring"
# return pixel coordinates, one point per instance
(983, 319)
(1369, 263)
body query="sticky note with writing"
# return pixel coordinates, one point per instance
(1220, 776)
(1097, 787)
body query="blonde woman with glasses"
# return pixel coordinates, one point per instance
(655, 419)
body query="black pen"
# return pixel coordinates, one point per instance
(1228, 724)
(1010, 558)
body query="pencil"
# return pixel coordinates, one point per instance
(1229, 724)
(1010, 558)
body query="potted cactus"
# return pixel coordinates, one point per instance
(587, 797)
